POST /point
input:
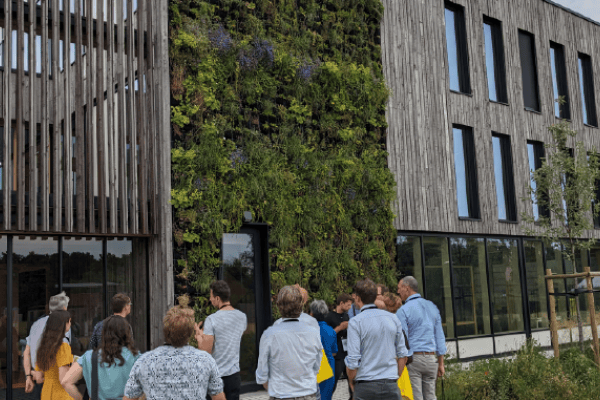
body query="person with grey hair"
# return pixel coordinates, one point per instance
(56, 303)
(290, 352)
(319, 310)
(423, 323)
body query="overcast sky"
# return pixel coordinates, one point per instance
(589, 8)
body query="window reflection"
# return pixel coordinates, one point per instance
(239, 273)
(506, 285)
(35, 280)
(581, 261)
(536, 283)
(470, 287)
(555, 263)
(408, 256)
(437, 280)
(489, 62)
(83, 275)
(451, 45)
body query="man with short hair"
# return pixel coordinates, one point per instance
(290, 352)
(58, 302)
(176, 370)
(222, 338)
(338, 320)
(376, 350)
(121, 306)
(423, 323)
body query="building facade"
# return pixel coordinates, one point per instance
(85, 168)
(474, 87)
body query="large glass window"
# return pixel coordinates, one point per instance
(437, 280)
(408, 258)
(536, 283)
(456, 45)
(576, 285)
(465, 168)
(505, 283)
(471, 297)
(35, 280)
(83, 275)
(529, 71)
(586, 86)
(494, 60)
(559, 81)
(554, 262)
(505, 185)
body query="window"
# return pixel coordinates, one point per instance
(494, 60)
(535, 152)
(529, 71)
(505, 282)
(559, 81)
(586, 84)
(437, 280)
(456, 43)
(471, 297)
(536, 283)
(465, 168)
(503, 172)
(408, 258)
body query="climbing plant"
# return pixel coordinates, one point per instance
(278, 108)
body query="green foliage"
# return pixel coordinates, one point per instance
(530, 375)
(278, 107)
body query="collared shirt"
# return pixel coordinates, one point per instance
(35, 334)
(423, 324)
(305, 318)
(353, 311)
(289, 359)
(227, 328)
(375, 342)
(174, 373)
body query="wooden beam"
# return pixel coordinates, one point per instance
(552, 305)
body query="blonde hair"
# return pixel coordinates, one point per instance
(178, 326)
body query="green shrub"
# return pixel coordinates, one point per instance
(529, 376)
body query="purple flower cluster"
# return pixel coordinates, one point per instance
(220, 39)
(262, 51)
(307, 68)
(237, 158)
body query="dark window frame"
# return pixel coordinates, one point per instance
(498, 59)
(586, 76)
(531, 101)
(462, 47)
(508, 180)
(470, 162)
(562, 81)
(538, 154)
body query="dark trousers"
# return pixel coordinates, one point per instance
(231, 386)
(340, 371)
(376, 390)
(37, 390)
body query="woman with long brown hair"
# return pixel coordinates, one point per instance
(54, 355)
(116, 356)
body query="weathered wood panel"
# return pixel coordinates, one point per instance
(422, 109)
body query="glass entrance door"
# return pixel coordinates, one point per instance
(246, 271)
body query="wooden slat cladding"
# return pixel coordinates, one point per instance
(81, 116)
(422, 110)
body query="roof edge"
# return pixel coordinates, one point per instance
(572, 12)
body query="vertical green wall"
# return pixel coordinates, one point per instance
(278, 107)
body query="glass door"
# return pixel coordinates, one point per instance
(244, 270)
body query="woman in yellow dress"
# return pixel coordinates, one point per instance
(54, 356)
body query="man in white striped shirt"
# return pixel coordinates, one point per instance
(222, 338)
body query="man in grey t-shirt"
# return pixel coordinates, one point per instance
(222, 338)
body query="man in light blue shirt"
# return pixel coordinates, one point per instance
(423, 323)
(290, 352)
(376, 350)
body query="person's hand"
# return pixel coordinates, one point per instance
(344, 325)
(199, 334)
(29, 385)
(441, 370)
(38, 376)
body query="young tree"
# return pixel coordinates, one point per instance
(565, 187)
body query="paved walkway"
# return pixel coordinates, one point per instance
(341, 393)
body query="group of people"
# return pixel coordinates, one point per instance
(366, 337)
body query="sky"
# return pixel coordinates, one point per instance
(589, 8)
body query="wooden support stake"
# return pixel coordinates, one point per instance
(552, 301)
(592, 311)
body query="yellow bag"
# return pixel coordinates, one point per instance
(325, 372)
(404, 385)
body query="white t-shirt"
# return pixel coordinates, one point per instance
(227, 327)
